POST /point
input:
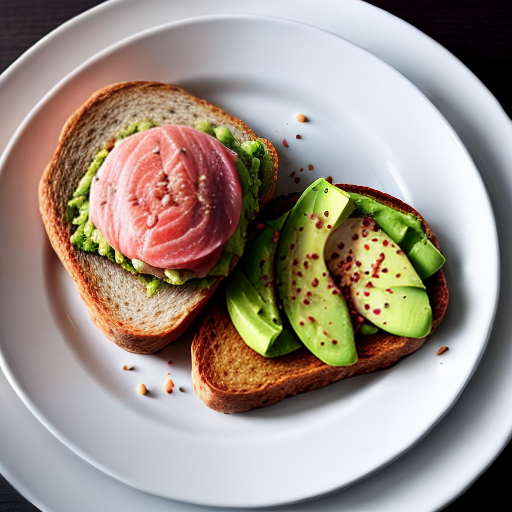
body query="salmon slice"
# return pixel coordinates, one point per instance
(169, 196)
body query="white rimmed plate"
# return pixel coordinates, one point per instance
(392, 139)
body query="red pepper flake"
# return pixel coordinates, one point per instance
(358, 263)
(322, 343)
(385, 243)
(299, 273)
(309, 294)
(260, 226)
(285, 143)
(310, 167)
(398, 276)
(341, 245)
(329, 226)
(389, 290)
(301, 323)
(356, 277)
(298, 136)
(301, 229)
(367, 247)
(375, 239)
(326, 213)
(442, 350)
(292, 246)
(292, 174)
(301, 169)
(367, 307)
(334, 256)
(295, 261)
(319, 224)
(305, 302)
(314, 256)
(311, 318)
(366, 293)
(315, 282)
(306, 264)
(313, 216)
(376, 311)
(329, 179)
(355, 236)
(367, 221)
(296, 180)
(378, 263)
(334, 342)
(293, 297)
(170, 362)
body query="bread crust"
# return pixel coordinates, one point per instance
(115, 299)
(229, 376)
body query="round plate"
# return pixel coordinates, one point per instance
(368, 125)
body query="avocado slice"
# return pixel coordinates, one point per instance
(383, 284)
(406, 230)
(251, 297)
(314, 305)
(245, 308)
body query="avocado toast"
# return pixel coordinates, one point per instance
(118, 289)
(230, 376)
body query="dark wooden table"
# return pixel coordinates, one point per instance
(478, 32)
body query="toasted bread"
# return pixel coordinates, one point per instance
(116, 301)
(229, 376)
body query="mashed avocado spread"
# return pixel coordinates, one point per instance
(255, 169)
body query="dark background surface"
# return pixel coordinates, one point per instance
(478, 32)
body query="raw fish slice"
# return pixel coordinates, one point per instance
(169, 196)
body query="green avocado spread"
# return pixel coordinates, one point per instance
(255, 169)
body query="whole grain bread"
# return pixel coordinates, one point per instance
(115, 299)
(229, 376)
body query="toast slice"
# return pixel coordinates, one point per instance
(229, 376)
(115, 299)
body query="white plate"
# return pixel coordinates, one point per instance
(367, 125)
(407, 484)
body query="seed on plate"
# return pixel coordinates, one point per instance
(442, 350)
(141, 389)
(168, 384)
